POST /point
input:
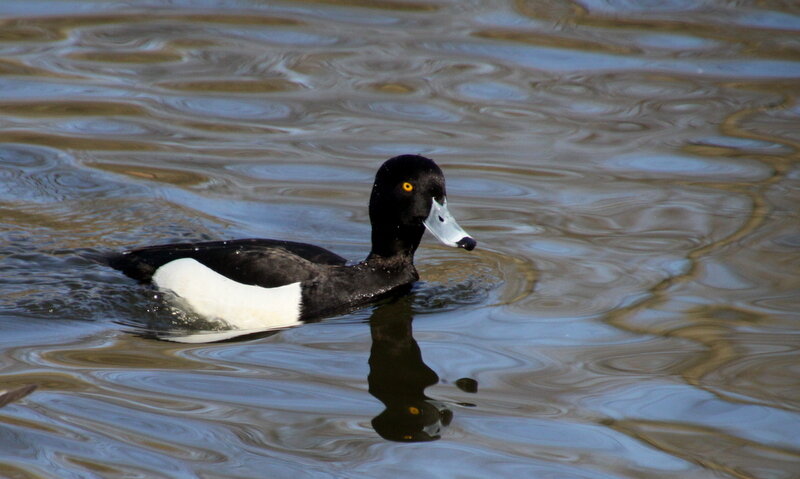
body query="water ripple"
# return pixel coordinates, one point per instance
(408, 111)
(674, 165)
(563, 60)
(626, 167)
(230, 108)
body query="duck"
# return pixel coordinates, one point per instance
(263, 284)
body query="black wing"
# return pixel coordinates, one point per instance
(263, 262)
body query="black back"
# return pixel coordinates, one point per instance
(263, 262)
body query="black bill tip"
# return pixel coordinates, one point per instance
(467, 243)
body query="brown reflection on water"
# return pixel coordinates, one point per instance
(727, 366)
(127, 57)
(760, 215)
(86, 144)
(166, 175)
(629, 170)
(69, 108)
(17, 68)
(743, 459)
(259, 86)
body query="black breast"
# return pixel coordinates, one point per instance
(338, 289)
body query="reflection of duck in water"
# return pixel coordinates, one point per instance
(398, 378)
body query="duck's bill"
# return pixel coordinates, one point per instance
(442, 225)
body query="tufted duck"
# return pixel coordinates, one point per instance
(264, 283)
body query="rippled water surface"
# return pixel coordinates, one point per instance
(630, 170)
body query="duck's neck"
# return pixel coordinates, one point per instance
(397, 243)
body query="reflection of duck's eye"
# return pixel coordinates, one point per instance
(414, 411)
(408, 186)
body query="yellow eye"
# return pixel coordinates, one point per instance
(408, 186)
(413, 410)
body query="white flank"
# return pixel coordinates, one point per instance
(242, 306)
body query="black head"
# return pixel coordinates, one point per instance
(403, 194)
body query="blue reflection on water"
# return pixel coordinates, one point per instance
(562, 59)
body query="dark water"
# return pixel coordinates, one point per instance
(629, 168)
